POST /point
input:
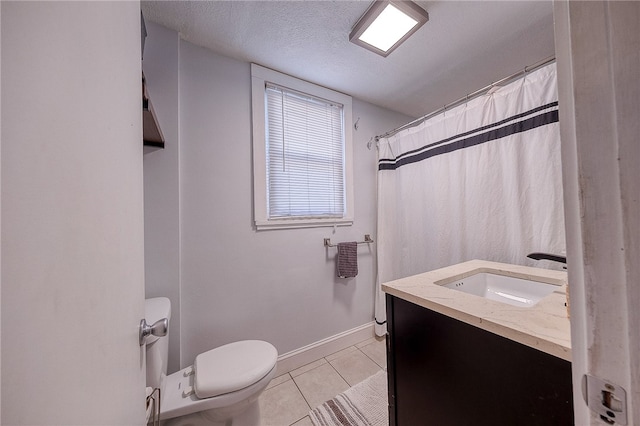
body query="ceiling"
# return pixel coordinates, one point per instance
(466, 45)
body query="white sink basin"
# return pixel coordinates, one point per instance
(513, 291)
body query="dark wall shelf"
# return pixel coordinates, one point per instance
(151, 134)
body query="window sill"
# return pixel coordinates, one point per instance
(262, 225)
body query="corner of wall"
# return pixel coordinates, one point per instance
(161, 180)
(0, 210)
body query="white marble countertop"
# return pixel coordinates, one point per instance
(544, 326)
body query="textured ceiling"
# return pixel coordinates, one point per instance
(465, 46)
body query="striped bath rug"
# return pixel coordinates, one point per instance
(364, 404)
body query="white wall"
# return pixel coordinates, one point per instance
(237, 283)
(0, 211)
(161, 184)
(72, 240)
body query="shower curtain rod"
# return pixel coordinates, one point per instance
(467, 98)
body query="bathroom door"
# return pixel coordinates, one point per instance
(599, 91)
(72, 214)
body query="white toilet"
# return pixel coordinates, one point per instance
(220, 388)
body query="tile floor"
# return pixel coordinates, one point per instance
(289, 397)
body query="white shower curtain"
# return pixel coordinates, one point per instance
(480, 181)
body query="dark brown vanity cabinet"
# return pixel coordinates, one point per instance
(442, 371)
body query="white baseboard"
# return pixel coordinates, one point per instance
(306, 354)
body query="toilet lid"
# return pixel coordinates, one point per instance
(232, 367)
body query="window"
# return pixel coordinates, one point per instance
(302, 153)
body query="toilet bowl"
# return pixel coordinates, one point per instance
(220, 388)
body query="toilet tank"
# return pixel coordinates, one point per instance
(157, 348)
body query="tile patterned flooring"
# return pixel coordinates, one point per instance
(289, 397)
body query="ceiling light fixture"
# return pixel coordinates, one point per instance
(386, 24)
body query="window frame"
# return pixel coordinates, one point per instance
(260, 76)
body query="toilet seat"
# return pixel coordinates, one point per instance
(232, 367)
(175, 403)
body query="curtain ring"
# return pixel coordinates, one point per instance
(524, 75)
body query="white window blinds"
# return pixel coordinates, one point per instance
(305, 155)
